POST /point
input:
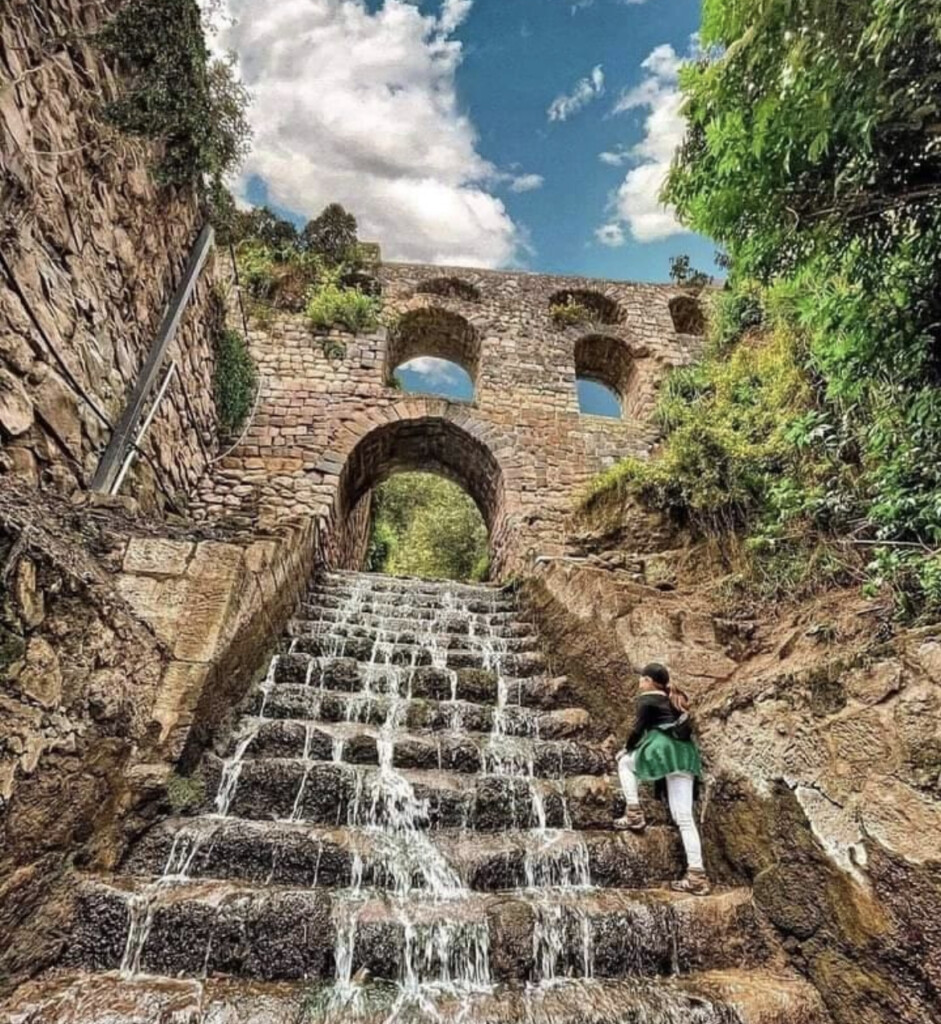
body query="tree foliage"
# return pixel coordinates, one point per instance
(175, 93)
(332, 234)
(813, 156)
(424, 525)
(319, 269)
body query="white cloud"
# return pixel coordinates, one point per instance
(610, 234)
(580, 5)
(453, 13)
(361, 108)
(636, 204)
(616, 157)
(526, 182)
(440, 371)
(585, 90)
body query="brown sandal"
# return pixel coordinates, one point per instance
(633, 821)
(694, 884)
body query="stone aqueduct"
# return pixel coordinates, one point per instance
(329, 427)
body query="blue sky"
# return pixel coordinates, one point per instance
(519, 133)
(519, 56)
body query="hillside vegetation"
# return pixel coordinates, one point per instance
(424, 525)
(812, 426)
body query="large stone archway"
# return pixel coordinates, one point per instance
(300, 456)
(428, 443)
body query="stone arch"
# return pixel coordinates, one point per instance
(601, 309)
(427, 443)
(450, 288)
(609, 361)
(431, 331)
(688, 316)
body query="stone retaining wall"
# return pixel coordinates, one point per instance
(121, 655)
(91, 251)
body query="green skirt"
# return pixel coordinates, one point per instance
(659, 754)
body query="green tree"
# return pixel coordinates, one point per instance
(332, 235)
(813, 157)
(424, 525)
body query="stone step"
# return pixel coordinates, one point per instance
(521, 664)
(296, 853)
(271, 933)
(383, 583)
(338, 633)
(425, 681)
(310, 702)
(467, 752)
(500, 624)
(338, 794)
(388, 603)
(750, 996)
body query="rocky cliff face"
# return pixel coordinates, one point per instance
(90, 252)
(821, 732)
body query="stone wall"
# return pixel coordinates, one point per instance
(123, 647)
(822, 745)
(91, 251)
(328, 428)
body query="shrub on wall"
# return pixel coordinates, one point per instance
(569, 313)
(176, 94)
(235, 382)
(329, 304)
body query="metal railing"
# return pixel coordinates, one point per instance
(126, 436)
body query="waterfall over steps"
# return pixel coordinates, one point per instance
(413, 822)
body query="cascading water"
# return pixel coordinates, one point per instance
(414, 824)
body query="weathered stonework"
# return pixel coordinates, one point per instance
(121, 655)
(822, 751)
(91, 251)
(328, 429)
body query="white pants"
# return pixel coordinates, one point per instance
(680, 793)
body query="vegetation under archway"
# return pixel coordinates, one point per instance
(425, 525)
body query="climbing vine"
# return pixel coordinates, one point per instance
(174, 93)
(235, 381)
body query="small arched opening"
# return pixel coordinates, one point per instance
(434, 351)
(450, 288)
(688, 316)
(428, 444)
(605, 375)
(573, 306)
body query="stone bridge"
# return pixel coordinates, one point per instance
(330, 423)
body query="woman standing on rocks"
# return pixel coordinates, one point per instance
(660, 749)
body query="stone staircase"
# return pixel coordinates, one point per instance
(413, 821)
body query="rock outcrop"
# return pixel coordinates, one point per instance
(821, 734)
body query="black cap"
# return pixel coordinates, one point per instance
(658, 673)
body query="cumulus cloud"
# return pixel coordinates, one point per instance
(360, 107)
(428, 375)
(584, 92)
(616, 157)
(636, 205)
(610, 234)
(434, 370)
(526, 182)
